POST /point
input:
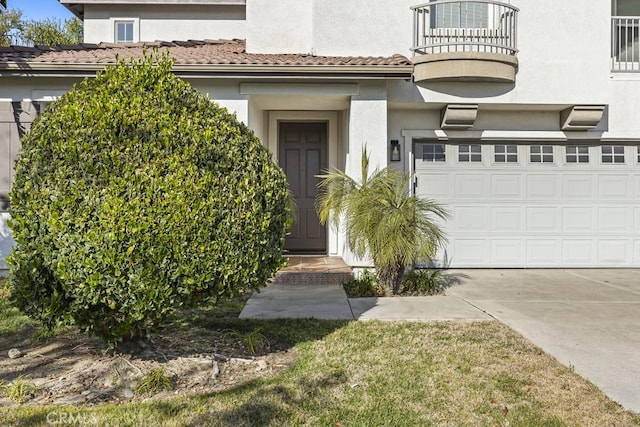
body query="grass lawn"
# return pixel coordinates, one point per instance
(366, 373)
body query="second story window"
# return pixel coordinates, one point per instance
(625, 43)
(460, 14)
(124, 31)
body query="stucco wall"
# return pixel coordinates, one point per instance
(329, 27)
(284, 26)
(167, 22)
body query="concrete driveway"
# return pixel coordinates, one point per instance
(588, 319)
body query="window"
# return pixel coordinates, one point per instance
(624, 37)
(577, 154)
(124, 31)
(505, 153)
(460, 15)
(433, 152)
(612, 154)
(638, 153)
(541, 154)
(469, 153)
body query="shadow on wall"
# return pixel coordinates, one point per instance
(468, 89)
(464, 90)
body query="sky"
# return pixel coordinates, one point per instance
(40, 9)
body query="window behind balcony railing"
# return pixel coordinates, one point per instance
(460, 15)
(442, 26)
(625, 32)
(625, 44)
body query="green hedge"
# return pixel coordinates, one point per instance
(134, 195)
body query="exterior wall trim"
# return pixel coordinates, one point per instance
(346, 89)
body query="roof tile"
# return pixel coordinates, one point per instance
(210, 52)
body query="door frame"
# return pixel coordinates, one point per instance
(331, 119)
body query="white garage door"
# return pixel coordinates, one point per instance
(535, 205)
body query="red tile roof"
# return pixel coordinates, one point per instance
(192, 52)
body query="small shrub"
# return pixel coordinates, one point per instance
(20, 390)
(381, 219)
(254, 340)
(424, 282)
(367, 285)
(135, 195)
(154, 382)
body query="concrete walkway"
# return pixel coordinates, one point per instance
(330, 302)
(588, 319)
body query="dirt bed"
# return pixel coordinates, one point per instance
(76, 369)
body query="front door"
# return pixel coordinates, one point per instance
(303, 156)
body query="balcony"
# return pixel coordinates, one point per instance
(625, 47)
(472, 41)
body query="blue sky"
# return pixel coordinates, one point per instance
(40, 9)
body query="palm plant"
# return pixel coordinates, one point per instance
(381, 219)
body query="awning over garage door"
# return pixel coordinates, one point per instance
(534, 205)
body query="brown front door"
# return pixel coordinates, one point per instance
(303, 155)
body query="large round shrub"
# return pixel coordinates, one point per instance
(134, 195)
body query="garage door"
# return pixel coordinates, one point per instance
(523, 205)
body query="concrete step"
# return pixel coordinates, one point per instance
(312, 277)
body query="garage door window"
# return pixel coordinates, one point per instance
(506, 153)
(577, 154)
(541, 154)
(638, 149)
(469, 153)
(433, 153)
(612, 154)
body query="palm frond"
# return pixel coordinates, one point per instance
(381, 218)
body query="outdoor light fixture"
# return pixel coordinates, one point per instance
(395, 150)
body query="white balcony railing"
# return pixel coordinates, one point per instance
(625, 45)
(446, 26)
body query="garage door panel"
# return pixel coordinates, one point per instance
(578, 252)
(636, 187)
(613, 219)
(470, 252)
(507, 252)
(613, 187)
(578, 219)
(470, 186)
(506, 218)
(542, 219)
(506, 187)
(613, 251)
(636, 219)
(437, 186)
(636, 252)
(542, 187)
(577, 187)
(470, 219)
(542, 252)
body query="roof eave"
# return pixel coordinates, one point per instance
(32, 69)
